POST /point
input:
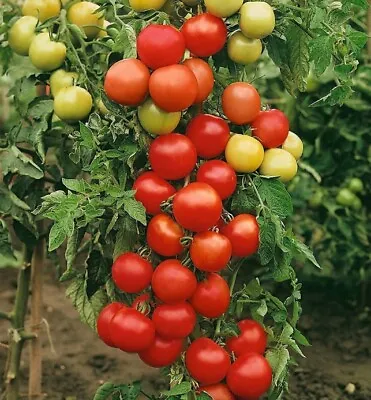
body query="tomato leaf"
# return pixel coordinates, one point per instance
(6, 250)
(136, 210)
(278, 359)
(14, 161)
(182, 388)
(304, 250)
(244, 201)
(267, 239)
(125, 42)
(320, 51)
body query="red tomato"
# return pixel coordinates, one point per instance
(174, 321)
(207, 362)
(197, 207)
(209, 134)
(211, 298)
(250, 376)
(173, 283)
(173, 88)
(243, 232)
(160, 45)
(210, 251)
(104, 320)
(172, 156)
(163, 236)
(241, 103)
(162, 352)
(218, 391)
(151, 191)
(132, 273)
(271, 128)
(127, 82)
(220, 176)
(204, 75)
(132, 331)
(252, 339)
(205, 34)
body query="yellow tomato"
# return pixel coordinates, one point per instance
(281, 163)
(21, 35)
(191, 2)
(244, 153)
(143, 5)
(103, 33)
(243, 50)
(84, 15)
(42, 9)
(102, 107)
(223, 8)
(257, 19)
(46, 54)
(61, 79)
(294, 145)
(73, 104)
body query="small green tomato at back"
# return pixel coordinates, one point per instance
(143, 5)
(294, 145)
(21, 35)
(243, 50)
(85, 16)
(42, 9)
(281, 163)
(345, 197)
(61, 79)
(257, 19)
(356, 185)
(73, 104)
(46, 54)
(223, 8)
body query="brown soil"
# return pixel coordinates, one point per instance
(340, 354)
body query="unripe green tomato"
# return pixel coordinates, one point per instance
(294, 145)
(85, 17)
(102, 108)
(257, 19)
(21, 35)
(157, 121)
(143, 5)
(356, 185)
(61, 79)
(313, 84)
(243, 50)
(46, 54)
(357, 203)
(73, 104)
(42, 9)
(224, 8)
(345, 197)
(191, 2)
(316, 200)
(281, 163)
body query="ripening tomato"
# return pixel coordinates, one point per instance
(204, 75)
(243, 50)
(210, 135)
(241, 103)
(219, 391)
(172, 282)
(206, 361)
(104, 320)
(281, 163)
(46, 54)
(132, 331)
(223, 9)
(163, 236)
(210, 251)
(220, 176)
(41, 9)
(257, 19)
(211, 298)
(61, 79)
(21, 35)
(244, 153)
(252, 339)
(173, 88)
(162, 352)
(160, 46)
(73, 104)
(205, 34)
(271, 127)
(84, 14)
(127, 82)
(243, 232)
(174, 321)
(250, 376)
(143, 5)
(132, 273)
(172, 156)
(151, 191)
(294, 145)
(197, 207)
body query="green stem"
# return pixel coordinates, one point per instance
(232, 282)
(256, 192)
(303, 28)
(4, 315)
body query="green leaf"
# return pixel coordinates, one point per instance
(282, 270)
(14, 161)
(320, 51)
(136, 210)
(24, 92)
(60, 231)
(203, 396)
(87, 137)
(77, 185)
(105, 391)
(278, 360)
(304, 250)
(338, 95)
(40, 108)
(244, 201)
(253, 289)
(126, 237)
(73, 242)
(182, 388)
(125, 42)
(267, 240)
(6, 249)
(357, 39)
(360, 3)
(300, 338)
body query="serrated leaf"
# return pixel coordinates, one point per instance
(126, 237)
(253, 289)
(360, 3)
(278, 360)
(14, 161)
(59, 232)
(105, 391)
(338, 95)
(87, 137)
(182, 388)
(244, 201)
(320, 52)
(267, 240)
(40, 108)
(282, 270)
(125, 42)
(300, 338)
(6, 249)
(76, 185)
(203, 396)
(136, 210)
(357, 39)
(73, 243)
(304, 250)
(97, 272)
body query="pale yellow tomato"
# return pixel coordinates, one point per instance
(223, 8)
(42, 9)
(46, 54)
(281, 163)
(257, 19)
(61, 79)
(21, 35)
(103, 32)
(143, 5)
(84, 15)
(73, 104)
(294, 145)
(243, 50)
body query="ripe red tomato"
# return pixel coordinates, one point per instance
(205, 34)
(131, 331)
(173, 283)
(210, 251)
(163, 236)
(172, 156)
(151, 191)
(220, 176)
(218, 391)
(132, 273)
(241, 103)
(127, 82)
(204, 75)
(162, 352)
(271, 128)
(174, 321)
(197, 207)
(207, 362)
(211, 298)
(252, 339)
(173, 88)
(250, 376)
(104, 320)
(243, 232)
(160, 45)
(209, 134)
